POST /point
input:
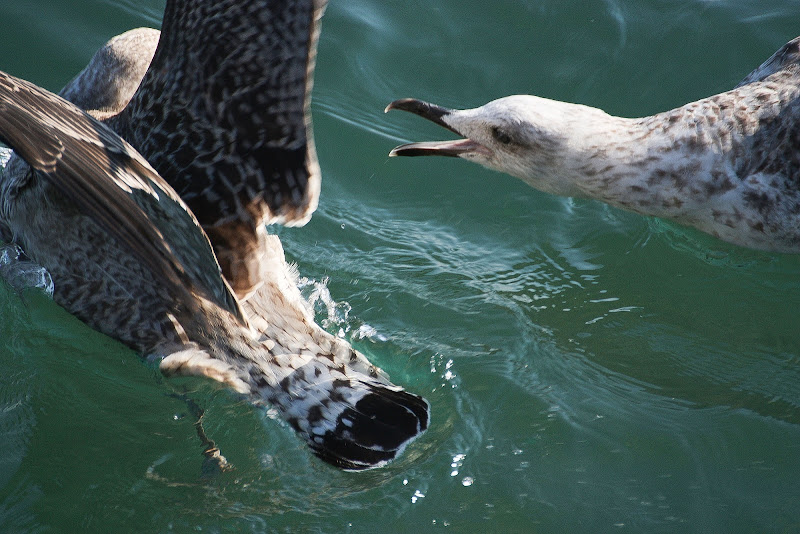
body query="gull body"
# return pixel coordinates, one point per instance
(129, 256)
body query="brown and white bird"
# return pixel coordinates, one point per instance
(219, 104)
(728, 165)
(222, 112)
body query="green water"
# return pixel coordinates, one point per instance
(589, 370)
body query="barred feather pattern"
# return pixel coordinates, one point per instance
(219, 102)
(128, 257)
(223, 112)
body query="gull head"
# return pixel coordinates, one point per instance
(524, 136)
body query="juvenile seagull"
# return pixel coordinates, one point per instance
(728, 165)
(129, 258)
(222, 114)
(218, 102)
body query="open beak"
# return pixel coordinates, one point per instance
(435, 114)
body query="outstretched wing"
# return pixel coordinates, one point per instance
(223, 111)
(109, 181)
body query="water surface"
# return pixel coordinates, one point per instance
(589, 370)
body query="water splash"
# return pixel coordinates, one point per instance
(5, 155)
(318, 297)
(458, 461)
(21, 273)
(335, 316)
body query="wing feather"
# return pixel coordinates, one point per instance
(109, 181)
(229, 90)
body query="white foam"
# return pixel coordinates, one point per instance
(21, 273)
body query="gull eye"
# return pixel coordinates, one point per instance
(500, 136)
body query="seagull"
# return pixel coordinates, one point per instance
(218, 101)
(728, 165)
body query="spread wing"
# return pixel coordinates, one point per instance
(223, 111)
(106, 179)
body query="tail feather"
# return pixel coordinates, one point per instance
(348, 419)
(385, 417)
(374, 430)
(343, 406)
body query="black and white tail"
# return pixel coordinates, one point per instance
(349, 419)
(347, 410)
(353, 422)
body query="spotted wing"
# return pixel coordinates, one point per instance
(105, 178)
(223, 111)
(788, 54)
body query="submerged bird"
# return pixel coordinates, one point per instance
(227, 124)
(728, 165)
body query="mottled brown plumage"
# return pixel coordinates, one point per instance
(223, 115)
(728, 165)
(127, 257)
